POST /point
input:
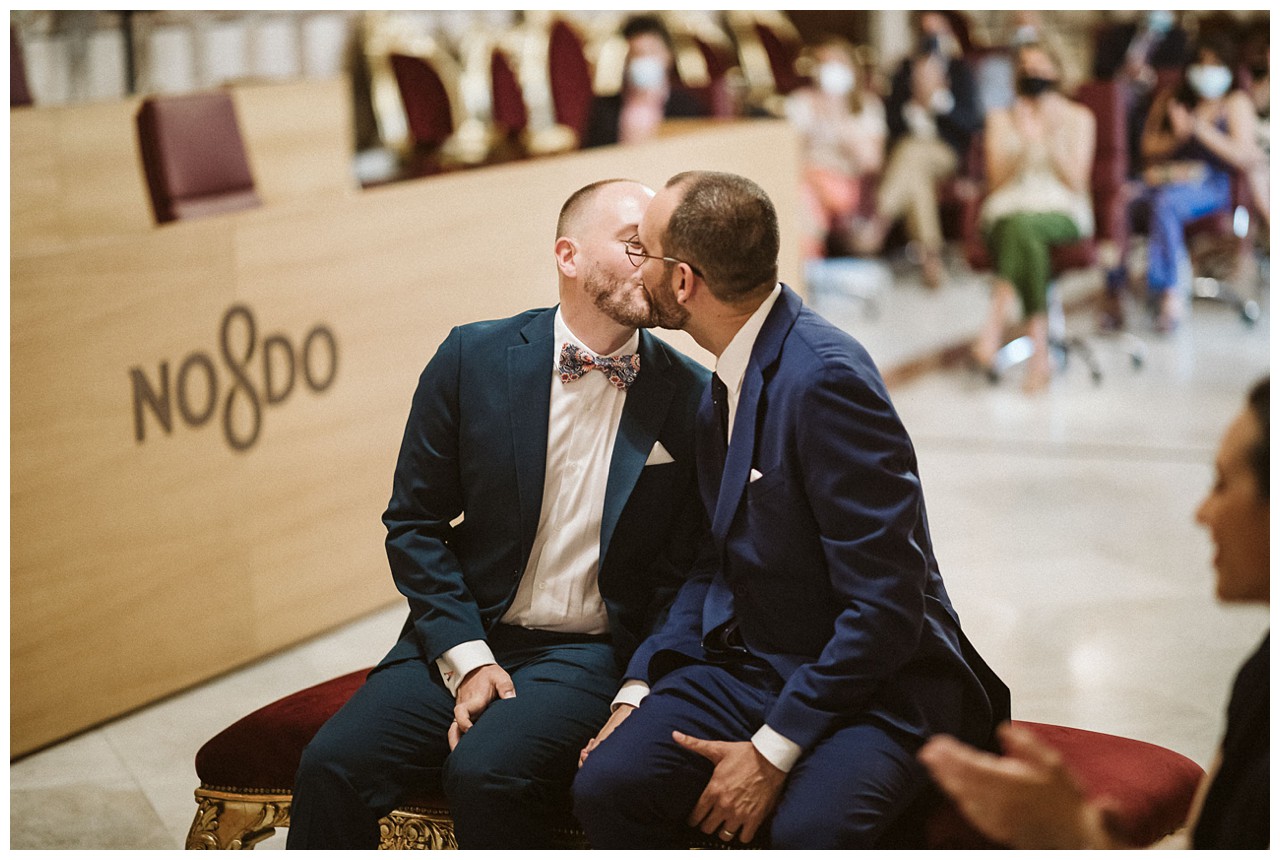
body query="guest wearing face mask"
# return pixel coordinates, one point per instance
(932, 113)
(844, 131)
(650, 93)
(1194, 137)
(1039, 153)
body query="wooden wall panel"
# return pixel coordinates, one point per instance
(142, 568)
(300, 137)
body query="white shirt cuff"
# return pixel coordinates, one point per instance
(780, 752)
(460, 660)
(942, 102)
(632, 693)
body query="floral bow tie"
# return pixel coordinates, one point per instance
(576, 362)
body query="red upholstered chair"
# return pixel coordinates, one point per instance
(570, 76)
(510, 115)
(246, 783)
(426, 109)
(782, 55)
(19, 95)
(194, 157)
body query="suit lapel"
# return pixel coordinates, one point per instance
(529, 396)
(642, 418)
(737, 464)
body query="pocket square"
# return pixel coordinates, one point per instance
(659, 455)
(756, 475)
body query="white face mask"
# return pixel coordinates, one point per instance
(1160, 21)
(1026, 35)
(1211, 82)
(646, 73)
(835, 79)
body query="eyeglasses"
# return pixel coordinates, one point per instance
(637, 257)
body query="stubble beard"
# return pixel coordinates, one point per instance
(623, 302)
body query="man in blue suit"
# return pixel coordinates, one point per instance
(815, 648)
(543, 514)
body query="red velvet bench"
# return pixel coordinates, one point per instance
(246, 778)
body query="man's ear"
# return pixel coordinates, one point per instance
(567, 257)
(688, 286)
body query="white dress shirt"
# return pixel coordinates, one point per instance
(559, 590)
(731, 367)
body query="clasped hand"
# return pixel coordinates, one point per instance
(481, 686)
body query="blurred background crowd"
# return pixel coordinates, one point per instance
(1021, 143)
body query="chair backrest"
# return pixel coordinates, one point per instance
(1106, 101)
(782, 58)
(510, 114)
(717, 96)
(571, 92)
(19, 95)
(193, 156)
(426, 102)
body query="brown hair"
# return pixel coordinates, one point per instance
(726, 226)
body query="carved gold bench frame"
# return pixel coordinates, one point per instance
(240, 819)
(229, 818)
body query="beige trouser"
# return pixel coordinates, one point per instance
(909, 187)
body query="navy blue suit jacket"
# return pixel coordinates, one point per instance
(476, 444)
(827, 553)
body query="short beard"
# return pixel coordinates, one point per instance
(611, 296)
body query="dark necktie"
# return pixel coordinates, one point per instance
(720, 400)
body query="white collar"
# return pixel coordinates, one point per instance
(731, 366)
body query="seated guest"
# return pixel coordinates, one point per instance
(844, 131)
(1196, 135)
(1039, 154)
(542, 515)
(1028, 799)
(932, 113)
(649, 93)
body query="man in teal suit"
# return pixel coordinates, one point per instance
(815, 648)
(544, 512)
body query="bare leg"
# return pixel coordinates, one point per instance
(988, 343)
(1039, 366)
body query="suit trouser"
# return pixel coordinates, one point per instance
(508, 776)
(638, 787)
(909, 187)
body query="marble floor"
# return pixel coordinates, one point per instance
(1062, 524)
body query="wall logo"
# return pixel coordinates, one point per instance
(198, 388)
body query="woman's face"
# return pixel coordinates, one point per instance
(1238, 518)
(1036, 63)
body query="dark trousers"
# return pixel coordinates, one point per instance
(507, 779)
(638, 787)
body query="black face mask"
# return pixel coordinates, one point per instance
(1030, 85)
(931, 45)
